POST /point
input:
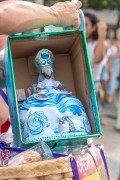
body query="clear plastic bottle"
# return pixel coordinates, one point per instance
(70, 147)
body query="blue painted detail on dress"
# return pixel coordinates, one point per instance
(43, 117)
(86, 125)
(67, 120)
(51, 112)
(37, 122)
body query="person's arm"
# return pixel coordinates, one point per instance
(118, 46)
(20, 16)
(109, 64)
(100, 47)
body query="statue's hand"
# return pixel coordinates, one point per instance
(37, 90)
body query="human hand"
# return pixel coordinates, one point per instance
(102, 29)
(67, 13)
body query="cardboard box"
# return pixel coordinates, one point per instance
(72, 69)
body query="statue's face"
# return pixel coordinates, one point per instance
(44, 58)
(47, 70)
(45, 62)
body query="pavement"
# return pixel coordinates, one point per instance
(111, 141)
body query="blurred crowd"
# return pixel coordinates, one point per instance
(104, 52)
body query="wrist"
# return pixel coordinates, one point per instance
(55, 15)
(101, 37)
(101, 42)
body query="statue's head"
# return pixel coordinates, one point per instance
(45, 61)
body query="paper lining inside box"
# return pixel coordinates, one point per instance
(71, 68)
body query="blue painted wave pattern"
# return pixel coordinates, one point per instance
(41, 118)
(61, 101)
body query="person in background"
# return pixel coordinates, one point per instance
(18, 16)
(117, 124)
(113, 67)
(106, 72)
(96, 35)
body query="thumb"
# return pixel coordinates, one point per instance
(78, 4)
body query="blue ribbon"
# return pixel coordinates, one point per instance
(57, 155)
(105, 163)
(3, 95)
(3, 145)
(74, 168)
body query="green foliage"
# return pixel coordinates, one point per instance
(95, 4)
(100, 4)
(51, 2)
(104, 4)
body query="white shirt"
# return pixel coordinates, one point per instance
(97, 67)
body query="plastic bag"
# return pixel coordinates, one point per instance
(37, 153)
(6, 153)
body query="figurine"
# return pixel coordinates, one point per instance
(51, 112)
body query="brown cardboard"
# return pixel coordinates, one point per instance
(71, 68)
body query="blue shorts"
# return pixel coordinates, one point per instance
(104, 74)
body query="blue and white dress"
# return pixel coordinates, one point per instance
(52, 114)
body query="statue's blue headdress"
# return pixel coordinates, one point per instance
(44, 57)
